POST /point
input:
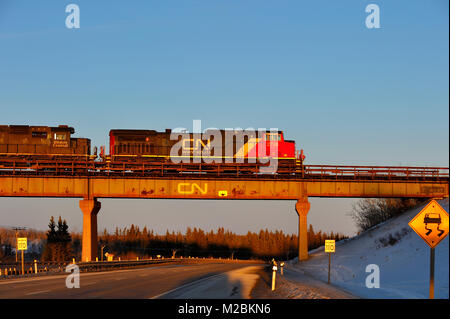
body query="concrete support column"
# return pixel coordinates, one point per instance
(90, 208)
(302, 207)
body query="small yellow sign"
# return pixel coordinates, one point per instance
(223, 193)
(22, 243)
(431, 223)
(330, 246)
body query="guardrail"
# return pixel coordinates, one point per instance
(10, 270)
(15, 269)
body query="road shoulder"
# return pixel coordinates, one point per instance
(234, 284)
(295, 285)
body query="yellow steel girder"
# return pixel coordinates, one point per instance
(103, 187)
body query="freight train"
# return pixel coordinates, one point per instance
(149, 146)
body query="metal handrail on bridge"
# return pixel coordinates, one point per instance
(388, 172)
(225, 170)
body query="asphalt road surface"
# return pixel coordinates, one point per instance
(167, 281)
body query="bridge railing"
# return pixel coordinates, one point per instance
(375, 172)
(285, 170)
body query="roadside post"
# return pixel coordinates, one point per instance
(281, 268)
(22, 245)
(330, 247)
(431, 224)
(17, 229)
(35, 267)
(103, 246)
(274, 273)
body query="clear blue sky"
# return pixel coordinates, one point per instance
(346, 94)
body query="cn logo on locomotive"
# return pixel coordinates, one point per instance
(197, 144)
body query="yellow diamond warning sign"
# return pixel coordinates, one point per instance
(431, 223)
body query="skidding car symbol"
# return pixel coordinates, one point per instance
(433, 218)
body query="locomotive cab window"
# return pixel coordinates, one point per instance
(39, 134)
(273, 137)
(59, 136)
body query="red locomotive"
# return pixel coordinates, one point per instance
(150, 144)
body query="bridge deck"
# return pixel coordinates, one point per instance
(166, 187)
(210, 181)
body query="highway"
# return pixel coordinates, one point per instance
(212, 280)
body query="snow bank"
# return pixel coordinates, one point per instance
(404, 265)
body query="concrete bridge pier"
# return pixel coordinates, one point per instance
(302, 207)
(90, 208)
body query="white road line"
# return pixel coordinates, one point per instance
(37, 292)
(186, 285)
(13, 281)
(89, 283)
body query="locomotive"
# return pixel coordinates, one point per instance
(43, 142)
(252, 150)
(128, 144)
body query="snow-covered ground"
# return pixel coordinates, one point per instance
(404, 266)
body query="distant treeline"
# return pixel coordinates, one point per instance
(132, 242)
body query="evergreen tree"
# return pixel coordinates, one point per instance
(51, 234)
(59, 242)
(49, 247)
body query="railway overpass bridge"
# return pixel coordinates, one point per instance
(94, 183)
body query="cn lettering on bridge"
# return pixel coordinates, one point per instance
(324, 181)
